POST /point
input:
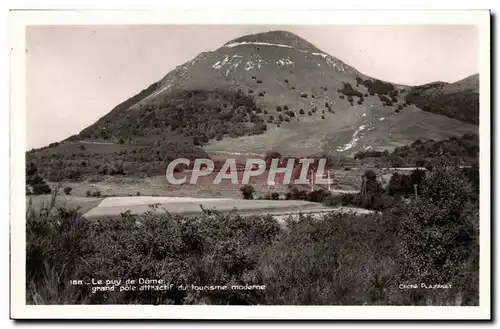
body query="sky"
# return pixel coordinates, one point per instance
(77, 74)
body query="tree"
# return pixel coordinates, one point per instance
(395, 184)
(371, 191)
(396, 161)
(67, 190)
(439, 230)
(417, 176)
(247, 191)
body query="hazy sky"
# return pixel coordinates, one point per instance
(76, 74)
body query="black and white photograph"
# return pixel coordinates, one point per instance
(261, 163)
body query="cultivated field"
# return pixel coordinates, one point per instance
(114, 206)
(66, 201)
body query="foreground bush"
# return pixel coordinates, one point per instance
(341, 260)
(439, 237)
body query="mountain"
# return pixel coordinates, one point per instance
(277, 91)
(458, 100)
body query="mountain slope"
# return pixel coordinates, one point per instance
(458, 100)
(276, 90)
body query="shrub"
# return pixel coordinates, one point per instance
(396, 161)
(247, 191)
(318, 195)
(286, 108)
(386, 101)
(331, 250)
(301, 111)
(67, 190)
(250, 91)
(348, 90)
(41, 188)
(333, 200)
(309, 113)
(295, 194)
(278, 108)
(377, 86)
(323, 117)
(261, 94)
(275, 196)
(35, 184)
(303, 95)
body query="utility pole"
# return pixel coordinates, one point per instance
(363, 185)
(329, 187)
(312, 179)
